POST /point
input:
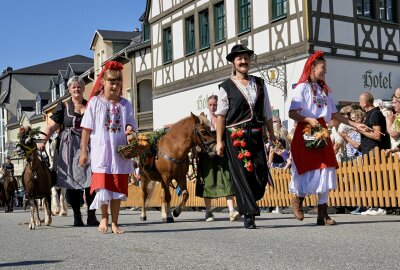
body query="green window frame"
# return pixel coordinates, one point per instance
(190, 35)
(386, 10)
(364, 8)
(204, 29)
(279, 9)
(167, 45)
(219, 22)
(244, 9)
(146, 31)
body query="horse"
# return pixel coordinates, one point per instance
(171, 161)
(10, 185)
(36, 179)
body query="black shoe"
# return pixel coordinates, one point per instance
(91, 219)
(78, 219)
(249, 222)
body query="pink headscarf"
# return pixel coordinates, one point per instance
(305, 76)
(98, 85)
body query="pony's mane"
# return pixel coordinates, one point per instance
(202, 118)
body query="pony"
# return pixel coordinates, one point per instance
(36, 178)
(10, 185)
(171, 162)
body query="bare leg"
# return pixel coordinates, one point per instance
(103, 227)
(229, 202)
(115, 205)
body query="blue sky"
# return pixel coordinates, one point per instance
(37, 31)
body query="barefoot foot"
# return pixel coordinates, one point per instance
(103, 227)
(115, 229)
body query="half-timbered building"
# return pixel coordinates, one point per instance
(190, 39)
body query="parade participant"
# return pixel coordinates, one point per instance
(214, 180)
(243, 111)
(105, 121)
(67, 117)
(313, 170)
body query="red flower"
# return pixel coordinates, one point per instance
(243, 143)
(240, 133)
(247, 154)
(240, 156)
(249, 166)
(234, 135)
(236, 143)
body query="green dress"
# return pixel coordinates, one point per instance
(213, 179)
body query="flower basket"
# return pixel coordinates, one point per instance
(315, 137)
(137, 146)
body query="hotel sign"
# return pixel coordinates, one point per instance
(377, 80)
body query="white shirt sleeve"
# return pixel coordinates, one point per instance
(223, 102)
(267, 104)
(297, 97)
(88, 120)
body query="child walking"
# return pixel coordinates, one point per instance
(105, 120)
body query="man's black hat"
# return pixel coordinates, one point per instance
(8, 157)
(236, 50)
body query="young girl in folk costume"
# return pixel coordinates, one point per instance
(106, 118)
(313, 170)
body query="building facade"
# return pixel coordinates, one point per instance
(190, 40)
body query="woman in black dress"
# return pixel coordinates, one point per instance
(70, 174)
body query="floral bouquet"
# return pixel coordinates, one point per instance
(137, 146)
(315, 137)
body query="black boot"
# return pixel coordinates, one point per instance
(91, 214)
(78, 218)
(91, 218)
(249, 222)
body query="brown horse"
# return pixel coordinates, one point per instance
(36, 179)
(171, 161)
(10, 186)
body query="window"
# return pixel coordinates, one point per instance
(190, 35)
(279, 9)
(167, 45)
(219, 22)
(100, 59)
(386, 10)
(146, 31)
(19, 113)
(204, 29)
(244, 15)
(364, 8)
(38, 107)
(62, 89)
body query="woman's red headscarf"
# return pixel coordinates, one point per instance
(305, 76)
(98, 85)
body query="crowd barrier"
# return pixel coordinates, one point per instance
(372, 180)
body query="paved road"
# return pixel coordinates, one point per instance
(280, 242)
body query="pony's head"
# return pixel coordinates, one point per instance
(203, 136)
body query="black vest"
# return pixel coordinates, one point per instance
(240, 111)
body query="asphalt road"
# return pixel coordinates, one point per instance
(279, 242)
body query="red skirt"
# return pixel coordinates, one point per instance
(112, 182)
(311, 159)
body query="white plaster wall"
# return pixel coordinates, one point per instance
(324, 33)
(230, 19)
(158, 77)
(296, 36)
(188, 8)
(157, 54)
(177, 14)
(177, 42)
(220, 50)
(155, 35)
(344, 33)
(260, 13)
(179, 71)
(343, 8)
(167, 4)
(201, 2)
(292, 6)
(187, 65)
(155, 9)
(261, 40)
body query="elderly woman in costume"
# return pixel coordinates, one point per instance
(313, 170)
(70, 175)
(243, 110)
